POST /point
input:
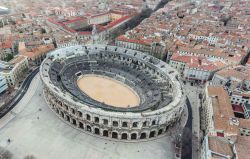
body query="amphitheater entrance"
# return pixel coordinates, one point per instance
(160, 132)
(124, 136)
(152, 134)
(81, 125)
(133, 136)
(114, 135)
(108, 90)
(105, 133)
(88, 128)
(143, 135)
(97, 131)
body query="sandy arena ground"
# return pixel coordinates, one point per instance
(109, 91)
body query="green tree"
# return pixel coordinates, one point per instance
(8, 57)
(43, 31)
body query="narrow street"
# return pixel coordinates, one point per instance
(19, 94)
(193, 96)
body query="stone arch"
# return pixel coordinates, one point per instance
(81, 125)
(154, 122)
(89, 129)
(97, 131)
(115, 123)
(88, 117)
(152, 134)
(124, 136)
(72, 110)
(160, 131)
(114, 135)
(74, 122)
(79, 114)
(105, 121)
(68, 118)
(133, 136)
(167, 128)
(143, 135)
(105, 133)
(96, 119)
(135, 124)
(124, 124)
(144, 124)
(62, 114)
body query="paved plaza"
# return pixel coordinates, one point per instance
(33, 129)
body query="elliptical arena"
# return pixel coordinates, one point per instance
(140, 97)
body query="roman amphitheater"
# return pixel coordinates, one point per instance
(112, 92)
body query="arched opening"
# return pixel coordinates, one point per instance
(105, 133)
(88, 128)
(62, 114)
(124, 124)
(124, 136)
(66, 107)
(133, 136)
(152, 134)
(144, 124)
(160, 132)
(96, 120)
(153, 122)
(143, 135)
(88, 117)
(73, 110)
(135, 124)
(167, 128)
(74, 122)
(114, 135)
(115, 123)
(81, 125)
(68, 119)
(105, 121)
(79, 114)
(97, 131)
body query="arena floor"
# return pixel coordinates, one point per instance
(108, 91)
(35, 130)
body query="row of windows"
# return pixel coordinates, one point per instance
(105, 121)
(112, 134)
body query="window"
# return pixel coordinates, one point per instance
(153, 122)
(105, 121)
(135, 124)
(124, 124)
(80, 114)
(88, 117)
(96, 120)
(73, 110)
(115, 123)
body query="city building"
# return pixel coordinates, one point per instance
(37, 55)
(242, 147)
(236, 80)
(93, 28)
(14, 70)
(218, 119)
(6, 48)
(216, 147)
(194, 68)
